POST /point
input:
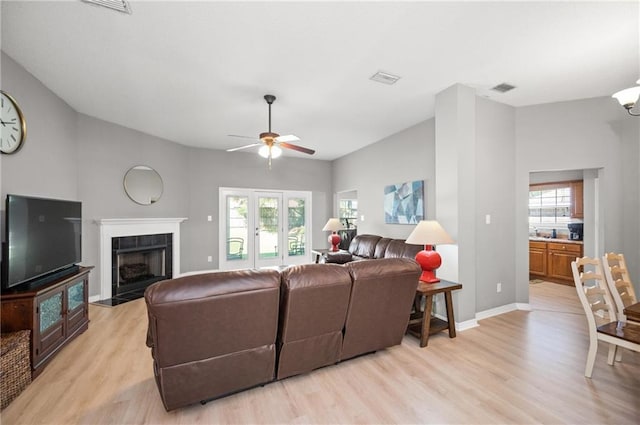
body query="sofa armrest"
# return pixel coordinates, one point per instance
(340, 257)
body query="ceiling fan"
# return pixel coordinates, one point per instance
(272, 142)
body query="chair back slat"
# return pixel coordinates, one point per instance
(599, 305)
(592, 290)
(619, 283)
(595, 290)
(586, 276)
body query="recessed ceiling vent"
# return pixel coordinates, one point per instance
(119, 5)
(384, 77)
(503, 88)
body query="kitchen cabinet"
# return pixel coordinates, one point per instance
(552, 260)
(577, 203)
(559, 258)
(537, 259)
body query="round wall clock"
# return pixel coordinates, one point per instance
(13, 127)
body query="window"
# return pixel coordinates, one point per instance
(549, 204)
(348, 212)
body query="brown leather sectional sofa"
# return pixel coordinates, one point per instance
(218, 333)
(370, 247)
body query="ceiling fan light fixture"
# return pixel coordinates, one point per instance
(265, 150)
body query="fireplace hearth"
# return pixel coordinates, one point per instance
(138, 261)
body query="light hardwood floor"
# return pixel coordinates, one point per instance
(520, 367)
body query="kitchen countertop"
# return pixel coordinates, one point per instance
(541, 239)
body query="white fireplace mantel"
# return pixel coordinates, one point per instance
(118, 227)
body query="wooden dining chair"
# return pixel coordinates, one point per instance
(595, 298)
(619, 283)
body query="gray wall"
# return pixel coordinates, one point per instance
(405, 156)
(495, 196)
(47, 163)
(73, 156)
(475, 139)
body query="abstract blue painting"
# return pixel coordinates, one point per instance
(404, 203)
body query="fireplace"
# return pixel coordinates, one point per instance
(138, 261)
(111, 228)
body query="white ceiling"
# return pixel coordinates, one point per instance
(195, 72)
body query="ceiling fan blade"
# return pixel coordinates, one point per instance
(297, 148)
(287, 138)
(244, 147)
(243, 137)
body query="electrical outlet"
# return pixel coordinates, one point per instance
(499, 287)
(487, 218)
(209, 218)
(362, 218)
(210, 259)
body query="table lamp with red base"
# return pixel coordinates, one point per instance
(333, 225)
(429, 233)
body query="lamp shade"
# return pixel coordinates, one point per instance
(429, 232)
(333, 225)
(628, 97)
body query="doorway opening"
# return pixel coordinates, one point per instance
(563, 222)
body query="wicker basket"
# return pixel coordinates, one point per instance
(15, 365)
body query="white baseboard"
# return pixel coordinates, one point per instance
(94, 298)
(467, 324)
(502, 310)
(460, 326)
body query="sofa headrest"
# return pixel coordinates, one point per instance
(397, 267)
(210, 285)
(398, 248)
(315, 275)
(364, 246)
(381, 247)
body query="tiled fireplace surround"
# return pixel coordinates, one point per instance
(119, 227)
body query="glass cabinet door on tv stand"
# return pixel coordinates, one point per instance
(49, 324)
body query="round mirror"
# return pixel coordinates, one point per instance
(143, 185)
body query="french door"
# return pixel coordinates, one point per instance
(264, 228)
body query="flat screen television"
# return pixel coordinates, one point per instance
(43, 238)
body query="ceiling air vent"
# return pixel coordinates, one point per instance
(503, 88)
(384, 77)
(119, 5)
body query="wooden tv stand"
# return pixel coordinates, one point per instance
(55, 313)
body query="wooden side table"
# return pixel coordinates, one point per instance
(422, 324)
